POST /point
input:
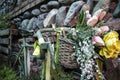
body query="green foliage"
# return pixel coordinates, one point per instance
(59, 74)
(33, 76)
(81, 24)
(4, 20)
(57, 48)
(84, 48)
(7, 73)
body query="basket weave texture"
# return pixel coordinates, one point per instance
(67, 54)
(49, 35)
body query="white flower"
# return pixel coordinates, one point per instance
(100, 14)
(97, 40)
(104, 28)
(92, 21)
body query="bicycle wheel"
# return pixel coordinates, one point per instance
(17, 63)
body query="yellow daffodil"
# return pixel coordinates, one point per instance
(108, 54)
(112, 34)
(117, 45)
(103, 51)
(112, 45)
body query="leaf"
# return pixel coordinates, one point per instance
(54, 74)
(4, 20)
(57, 48)
(80, 17)
(100, 23)
(81, 24)
(43, 70)
(7, 73)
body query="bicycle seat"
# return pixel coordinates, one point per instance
(26, 33)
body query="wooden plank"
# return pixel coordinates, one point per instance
(25, 6)
(4, 32)
(3, 59)
(4, 40)
(4, 49)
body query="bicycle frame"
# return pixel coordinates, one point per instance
(49, 52)
(23, 50)
(45, 47)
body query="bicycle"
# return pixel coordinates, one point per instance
(47, 51)
(49, 54)
(21, 60)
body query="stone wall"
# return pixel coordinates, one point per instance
(4, 46)
(60, 12)
(65, 13)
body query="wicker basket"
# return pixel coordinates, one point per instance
(49, 35)
(67, 54)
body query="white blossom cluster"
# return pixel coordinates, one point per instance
(86, 58)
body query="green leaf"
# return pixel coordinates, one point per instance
(81, 24)
(100, 23)
(4, 21)
(57, 48)
(7, 73)
(43, 70)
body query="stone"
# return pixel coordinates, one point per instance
(102, 4)
(107, 16)
(44, 8)
(65, 2)
(36, 12)
(73, 22)
(53, 4)
(85, 7)
(21, 17)
(26, 15)
(112, 6)
(114, 24)
(60, 16)
(41, 18)
(19, 2)
(90, 3)
(116, 12)
(32, 24)
(50, 18)
(24, 23)
(36, 22)
(18, 22)
(73, 10)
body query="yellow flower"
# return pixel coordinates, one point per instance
(112, 45)
(112, 34)
(108, 54)
(117, 45)
(103, 51)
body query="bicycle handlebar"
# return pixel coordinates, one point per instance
(53, 30)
